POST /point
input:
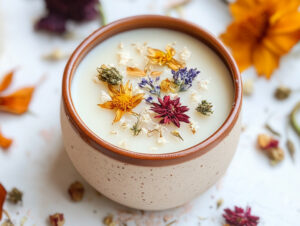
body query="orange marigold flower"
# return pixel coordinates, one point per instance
(122, 101)
(162, 58)
(263, 31)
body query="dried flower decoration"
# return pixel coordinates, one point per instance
(170, 111)
(76, 191)
(122, 100)
(270, 146)
(2, 199)
(57, 219)
(15, 196)
(161, 58)
(151, 85)
(5, 143)
(111, 75)
(183, 78)
(205, 108)
(136, 128)
(59, 11)
(134, 71)
(293, 118)
(240, 217)
(175, 133)
(262, 32)
(109, 220)
(282, 92)
(168, 86)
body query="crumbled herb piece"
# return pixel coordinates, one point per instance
(76, 191)
(111, 75)
(219, 203)
(136, 128)
(57, 219)
(291, 148)
(273, 131)
(108, 220)
(240, 217)
(176, 134)
(293, 118)
(183, 78)
(15, 196)
(276, 155)
(171, 223)
(7, 222)
(282, 92)
(205, 108)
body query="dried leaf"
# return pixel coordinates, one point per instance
(2, 199)
(134, 71)
(291, 148)
(293, 118)
(6, 81)
(17, 102)
(5, 142)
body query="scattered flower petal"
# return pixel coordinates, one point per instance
(57, 219)
(134, 71)
(6, 81)
(5, 143)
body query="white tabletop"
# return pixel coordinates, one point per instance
(38, 165)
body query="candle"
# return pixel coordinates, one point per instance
(206, 100)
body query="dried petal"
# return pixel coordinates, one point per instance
(76, 191)
(6, 81)
(57, 219)
(134, 71)
(156, 73)
(5, 143)
(2, 199)
(240, 217)
(265, 142)
(168, 86)
(17, 102)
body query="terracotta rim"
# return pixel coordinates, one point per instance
(149, 21)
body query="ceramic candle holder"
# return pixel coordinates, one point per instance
(141, 180)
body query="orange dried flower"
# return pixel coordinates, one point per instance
(134, 71)
(262, 32)
(167, 86)
(5, 142)
(123, 100)
(161, 58)
(2, 199)
(16, 102)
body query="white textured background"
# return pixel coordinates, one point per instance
(37, 164)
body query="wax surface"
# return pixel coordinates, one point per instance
(86, 94)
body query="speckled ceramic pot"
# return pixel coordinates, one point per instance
(149, 181)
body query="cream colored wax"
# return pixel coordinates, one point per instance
(213, 84)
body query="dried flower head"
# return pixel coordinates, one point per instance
(205, 108)
(76, 191)
(59, 11)
(151, 85)
(15, 196)
(240, 217)
(2, 199)
(161, 58)
(262, 32)
(122, 100)
(57, 219)
(282, 92)
(170, 111)
(175, 133)
(111, 75)
(183, 78)
(168, 86)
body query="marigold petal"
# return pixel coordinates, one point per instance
(287, 24)
(5, 142)
(265, 62)
(2, 199)
(17, 102)
(241, 8)
(6, 81)
(119, 114)
(283, 8)
(108, 105)
(134, 71)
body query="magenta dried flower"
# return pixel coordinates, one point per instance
(240, 217)
(170, 111)
(59, 11)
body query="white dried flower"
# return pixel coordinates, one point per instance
(203, 84)
(113, 132)
(194, 126)
(161, 140)
(123, 58)
(185, 54)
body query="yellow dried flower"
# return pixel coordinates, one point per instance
(162, 58)
(122, 100)
(167, 86)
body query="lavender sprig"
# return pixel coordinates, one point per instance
(151, 86)
(183, 78)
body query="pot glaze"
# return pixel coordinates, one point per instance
(149, 181)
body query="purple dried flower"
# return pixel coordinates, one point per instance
(59, 11)
(183, 78)
(149, 100)
(240, 217)
(170, 111)
(150, 85)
